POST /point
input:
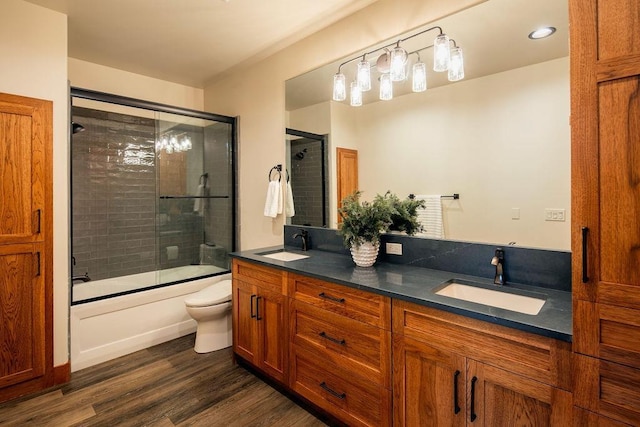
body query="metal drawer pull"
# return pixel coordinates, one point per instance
(585, 275)
(456, 407)
(332, 392)
(258, 308)
(253, 297)
(473, 415)
(324, 335)
(329, 297)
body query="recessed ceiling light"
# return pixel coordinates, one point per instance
(541, 33)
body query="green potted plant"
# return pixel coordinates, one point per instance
(362, 225)
(404, 217)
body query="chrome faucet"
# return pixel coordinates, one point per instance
(304, 234)
(498, 261)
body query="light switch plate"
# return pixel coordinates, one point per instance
(394, 248)
(554, 214)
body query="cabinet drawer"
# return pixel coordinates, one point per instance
(265, 277)
(607, 388)
(349, 397)
(608, 332)
(358, 347)
(543, 359)
(359, 305)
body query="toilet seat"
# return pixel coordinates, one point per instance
(211, 295)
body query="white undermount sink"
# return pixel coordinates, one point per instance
(508, 301)
(285, 256)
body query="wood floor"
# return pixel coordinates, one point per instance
(162, 386)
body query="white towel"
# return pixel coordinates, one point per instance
(198, 205)
(280, 201)
(431, 217)
(271, 203)
(289, 207)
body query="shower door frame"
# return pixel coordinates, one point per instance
(92, 95)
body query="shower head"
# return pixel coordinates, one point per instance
(300, 154)
(76, 127)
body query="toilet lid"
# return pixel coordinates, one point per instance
(211, 295)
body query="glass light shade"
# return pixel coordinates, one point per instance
(339, 87)
(356, 94)
(419, 80)
(398, 62)
(386, 87)
(364, 75)
(441, 53)
(456, 67)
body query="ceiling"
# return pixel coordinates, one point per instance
(190, 41)
(493, 36)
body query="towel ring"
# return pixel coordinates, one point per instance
(278, 169)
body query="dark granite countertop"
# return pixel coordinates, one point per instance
(418, 285)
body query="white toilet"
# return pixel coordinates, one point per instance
(211, 308)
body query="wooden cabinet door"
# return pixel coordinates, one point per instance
(25, 140)
(272, 333)
(428, 385)
(22, 314)
(245, 328)
(496, 397)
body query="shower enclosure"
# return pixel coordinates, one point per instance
(306, 170)
(152, 195)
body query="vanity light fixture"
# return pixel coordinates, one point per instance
(364, 74)
(356, 94)
(456, 65)
(386, 87)
(171, 143)
(398, 64)
(542, 33)
(392, 65)
(339, 87)
(419, 80)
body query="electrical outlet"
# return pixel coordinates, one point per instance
(394, 248)
(554, 214)
(515, 213)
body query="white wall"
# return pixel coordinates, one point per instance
(501, 141)
(33, 48)
(87, 75)
(256, 94)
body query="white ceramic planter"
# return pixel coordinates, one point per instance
(365, 255)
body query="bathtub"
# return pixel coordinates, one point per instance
(108, 328)
(99, 289)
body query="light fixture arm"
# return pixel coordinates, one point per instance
(397, 43)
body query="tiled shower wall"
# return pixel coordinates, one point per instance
(306, 182)
(113, 197)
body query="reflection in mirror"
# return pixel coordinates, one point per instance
(500, 137)
(306, 174)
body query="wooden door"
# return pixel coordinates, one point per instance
(25, 141)
(244, 325)
(272, 333)
(428, 385)
(496, 397)
(22, 314)
(347, 174)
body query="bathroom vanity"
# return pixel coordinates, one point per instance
(379, 346)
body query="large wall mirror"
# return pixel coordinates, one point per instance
(500, 137)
